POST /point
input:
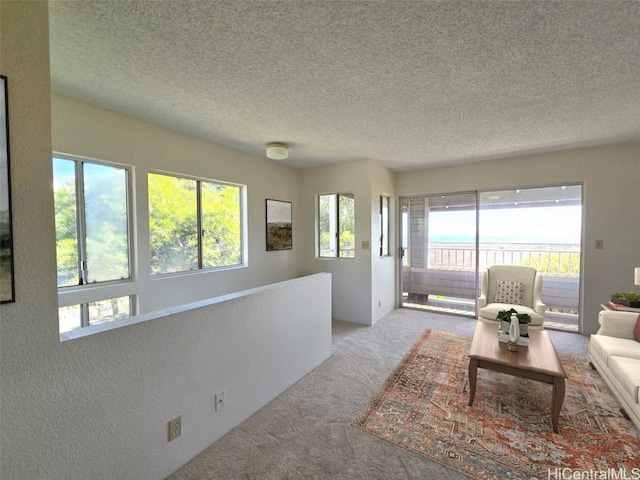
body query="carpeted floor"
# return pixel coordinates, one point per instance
(306, 432)
(507, 433)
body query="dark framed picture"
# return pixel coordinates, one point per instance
(6, 237)
(279, 225)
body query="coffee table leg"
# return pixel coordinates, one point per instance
(558, 400)
(473, 376)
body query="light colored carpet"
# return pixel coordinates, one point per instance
(306, 432)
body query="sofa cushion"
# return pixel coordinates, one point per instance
(509, 292)
(604, 347)
(627, 372)
(636, 329)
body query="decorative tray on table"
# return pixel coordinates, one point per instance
(619, 300)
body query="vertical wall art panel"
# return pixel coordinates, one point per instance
(6, 237)
(279, 227)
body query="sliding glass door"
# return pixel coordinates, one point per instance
(447, 240)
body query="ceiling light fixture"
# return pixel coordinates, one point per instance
(277, 151)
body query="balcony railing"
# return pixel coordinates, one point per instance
(549, 259)
(450, 270)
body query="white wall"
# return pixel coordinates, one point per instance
(355, 299)
(384, 295)
(86, 131)
(610, 176)
(97, 407)
(82, 130)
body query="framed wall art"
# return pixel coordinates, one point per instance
(279, 225)
(6, 236)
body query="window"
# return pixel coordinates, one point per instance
(384, 225)
(94, 313)
(193, 224)
(336, 225)
(92, 238)
(92, 226)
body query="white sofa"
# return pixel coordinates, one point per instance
(615, 353)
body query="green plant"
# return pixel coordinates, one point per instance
(505, 315)
(633, 297)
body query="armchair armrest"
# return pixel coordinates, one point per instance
(482, 301)
(539, 307)
(617, 324)
(484, 289)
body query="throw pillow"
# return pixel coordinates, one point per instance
(636, 330)
(509, 292)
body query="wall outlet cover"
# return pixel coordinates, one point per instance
(175, 428)
(219, 400)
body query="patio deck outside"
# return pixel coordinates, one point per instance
(448, 285)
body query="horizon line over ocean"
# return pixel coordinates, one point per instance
(505, 245)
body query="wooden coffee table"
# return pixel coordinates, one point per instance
(539, 361)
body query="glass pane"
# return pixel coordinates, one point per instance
(384, 225)
(221, 225)
(405, 231)
(346, 220)
(542, 228)
(173, 224)
(69, 318)
(107, 227)
(64, 190)
(109, 310)
(507, 217)
(327, 227)
(439, 246)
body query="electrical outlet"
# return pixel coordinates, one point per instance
(365, 245)
(219, 400)
(175, 428)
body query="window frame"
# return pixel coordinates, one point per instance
(336, 215)
(242, 208)
(385, 226)
(83, 293)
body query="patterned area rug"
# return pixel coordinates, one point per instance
(507, 432)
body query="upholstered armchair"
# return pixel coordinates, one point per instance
(511, 286)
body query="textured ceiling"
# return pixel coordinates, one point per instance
(408, 83)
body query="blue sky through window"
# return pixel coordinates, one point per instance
(554, 225)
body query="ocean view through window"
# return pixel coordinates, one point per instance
(447, 242)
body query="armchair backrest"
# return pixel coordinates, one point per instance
(529, 276)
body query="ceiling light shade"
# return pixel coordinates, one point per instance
(277, 151)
